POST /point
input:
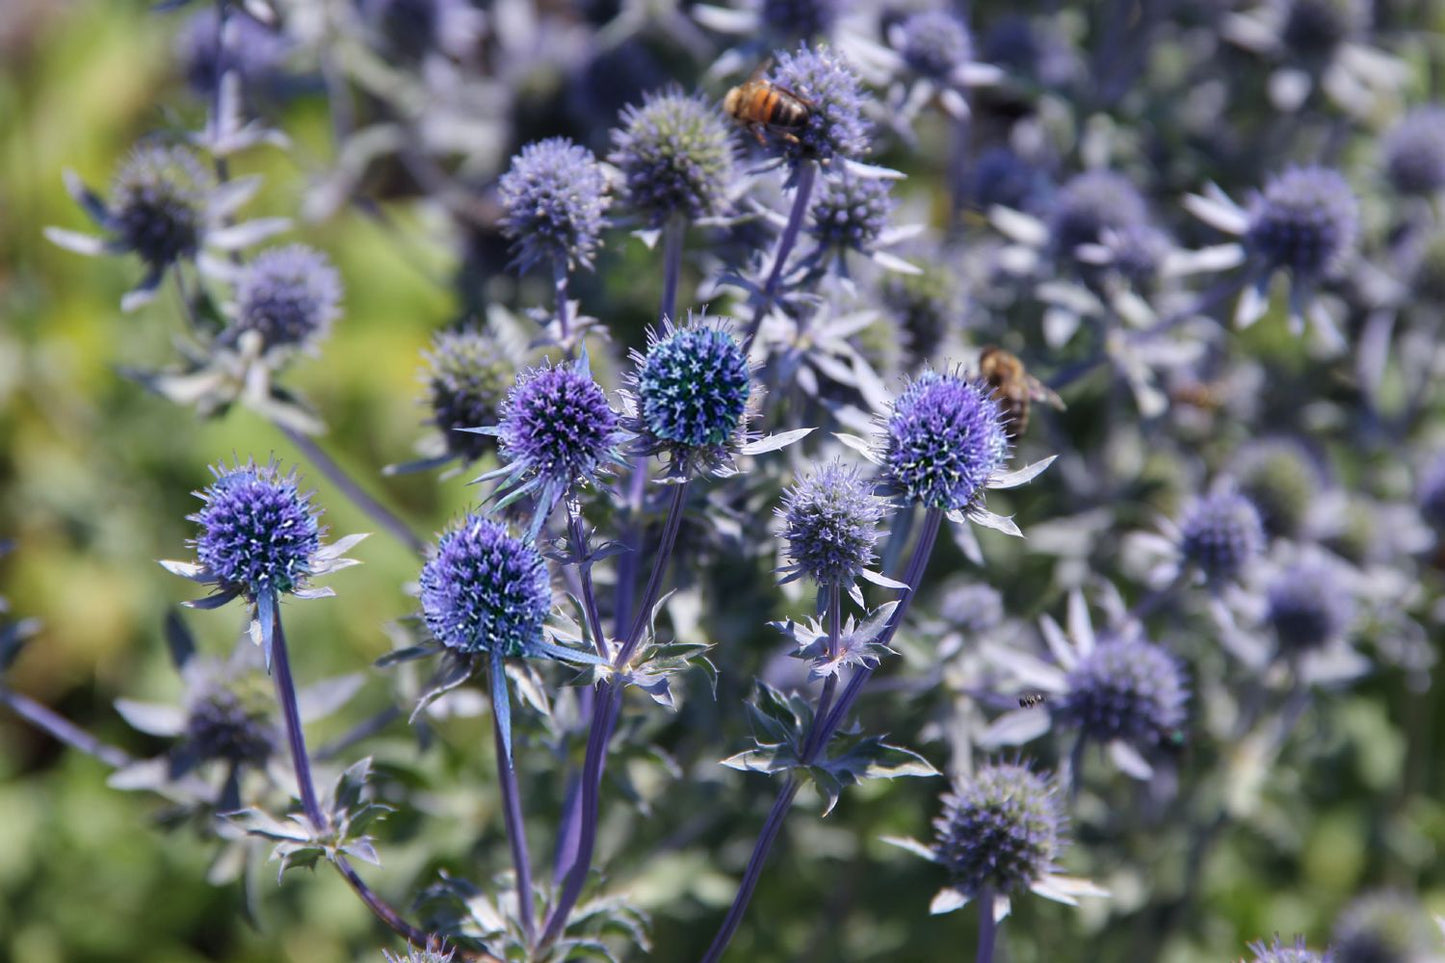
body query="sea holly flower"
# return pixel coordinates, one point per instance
(935, 51)
(675, 153)
(288, 296)
(1218, 537)
(259, 540)
(554, 201)
(1000, 834)
(252, 50)
(830, 523)
(1385, 927)
(1413, 152)
(1276, 951)
(165, 207)
(836, 127)
(1304, 223)
(557, 431)
(851, 213)
(1117, 688)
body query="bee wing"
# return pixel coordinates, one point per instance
(758, 71)
(1039, 391)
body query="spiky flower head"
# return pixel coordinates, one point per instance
(1413, 151)
(554, 198)
(1313, 29)
(830, 521)
(1090, 204)
(946, 440)
(467, 379)
(1385, 927)
(1000, 831)
(1282, 480)
(934, 44)
(1430, 494)
(692, 387)
(483, 591)
(1124, 688)
(1221, 534)
(926, 306)
(1136, 252)
(432, 954)
(1277, 952)
(1309, 606)
(836, 126)
(288, 295)
(259, 531)
(800, 18)
(233, 722)
(676, 157)
(851, 212)
(1306, 222)
(971, 606)
(158, 203)
(557, 430)
(1003, 177)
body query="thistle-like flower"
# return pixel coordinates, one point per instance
(289, 296)
(1385, 927)
(675, 153)
(556, 431)
(1091, 204)
(248, 48)
(851, 213)
(468, 372)
(259, 540)
(554, 201)
(936, 49)
(1001, 832)
(1413, 151)
(484, 591)
(836, 126)
(927, 306)
(165, 207)
(946, 442)
(1309, 606)
(830, 522)
(1276, 951)
(1220, 535)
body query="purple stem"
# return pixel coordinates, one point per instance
(803, 192)
(63, 729)
(559, 282)
(987, 927)
(516, 829)
(671, 266)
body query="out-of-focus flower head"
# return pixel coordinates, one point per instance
(554, 198)
(1309, 605)
(1002, 177)
(675, 153)
(1313, 29)
(1220, 535)
(1283, 481)
(1090, 204)
(1430, 494)
(836, 125)
(851, 212)
(830, 522)
(1385, 927)
(254, 51)
(933, 43)
(971, 607)
(1276, 951)
(288, 296)
(926, 306)
(412, 29)
(1413, 151)
(468, 375)
(800, 19)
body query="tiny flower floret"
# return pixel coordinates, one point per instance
(830, 521)
(556, 425)
(693, 387)
(259, 532)
(1126, 689)
(1000, 830)
(1222, 534)
(1306, 221)
(946, 440)
(289, 295)
(836, 125)
(484, 591)
(553, 201)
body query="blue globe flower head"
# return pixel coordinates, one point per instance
(934, 44)
(849, 213)
(288, 295)
(1430, 494)
(676, 157)
(467, 380)
(158, 203)
(926, 306)
(830, 521)
(1003, 177)
(1283, 480)
(234, 723)
(1277, 952)
(1124, 689)
(1384, 927)
(836, 125)
(1090, 204)
(253, 51)
(1306, 222)
(972, 607)
(1000, 831)
(692, 390)
(800, 19)
(554, 198)
(1136, 252)
(1413, 151)
(1309, 606)
(946, 439)
(486, 592)
(259, 532)
(1220, 535)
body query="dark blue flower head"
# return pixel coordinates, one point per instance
(1013, 43)
(259, 532)
(803, 19)
(1000, 831)
(851, 212)
(676, 157)
(1414, 151)
(1309, 606)
(158, 203)
(1220, 535)
(288, 295)
(1136, 252)
(253, 51)
(1124, 688)
(972, 607)
(234, 723)
(1090, 204)
(1002, 177)
(1384, 927)
(926, 306)
(1313, 29)
(836, 125)
(692, 388)
(1306, 222)
(1277, 952)
(1430, 494)
(484, 591)
(934, 44)
(1280, 477)
(554, 198)
(946, 440)
(467, 379)
(830, 521)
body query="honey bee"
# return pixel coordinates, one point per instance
(1013, 386)
(1204, 395)
(1030, 699)
(761, 105)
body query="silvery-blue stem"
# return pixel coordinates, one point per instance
(63, 729)
(834, 618)
(337, 475)
(606, 709)
(672, 234)
(516, 827)
(559, 283)
(802, 193)
(987, 927)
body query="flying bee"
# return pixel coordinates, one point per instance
(761, 105)
(1013, 386)
(1204, 395)
(1030, 699)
